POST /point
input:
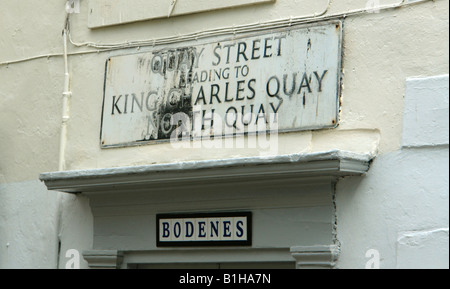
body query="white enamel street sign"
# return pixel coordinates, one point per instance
(278, 80)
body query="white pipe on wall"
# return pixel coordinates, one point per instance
(65, 108)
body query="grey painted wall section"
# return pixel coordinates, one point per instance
(401, 208)
(29, 223)
(404, 191)
(76, 229)
(428, 248)
(300, 215)
(38, 226)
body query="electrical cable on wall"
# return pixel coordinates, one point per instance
(207, 33)
(66, 97)
(280, 23)
(236, 29)
(171, 7)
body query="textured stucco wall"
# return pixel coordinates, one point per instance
(28, 226)
(400, 208)
(404, 191)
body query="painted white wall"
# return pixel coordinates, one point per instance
(404, 197)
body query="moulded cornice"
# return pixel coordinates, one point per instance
(330, 164)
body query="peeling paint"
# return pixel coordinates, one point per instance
(225, 88)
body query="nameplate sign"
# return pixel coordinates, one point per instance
(215, 229)
(278, 80)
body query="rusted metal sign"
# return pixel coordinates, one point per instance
(279, 80)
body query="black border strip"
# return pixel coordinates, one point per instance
(218, 243)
